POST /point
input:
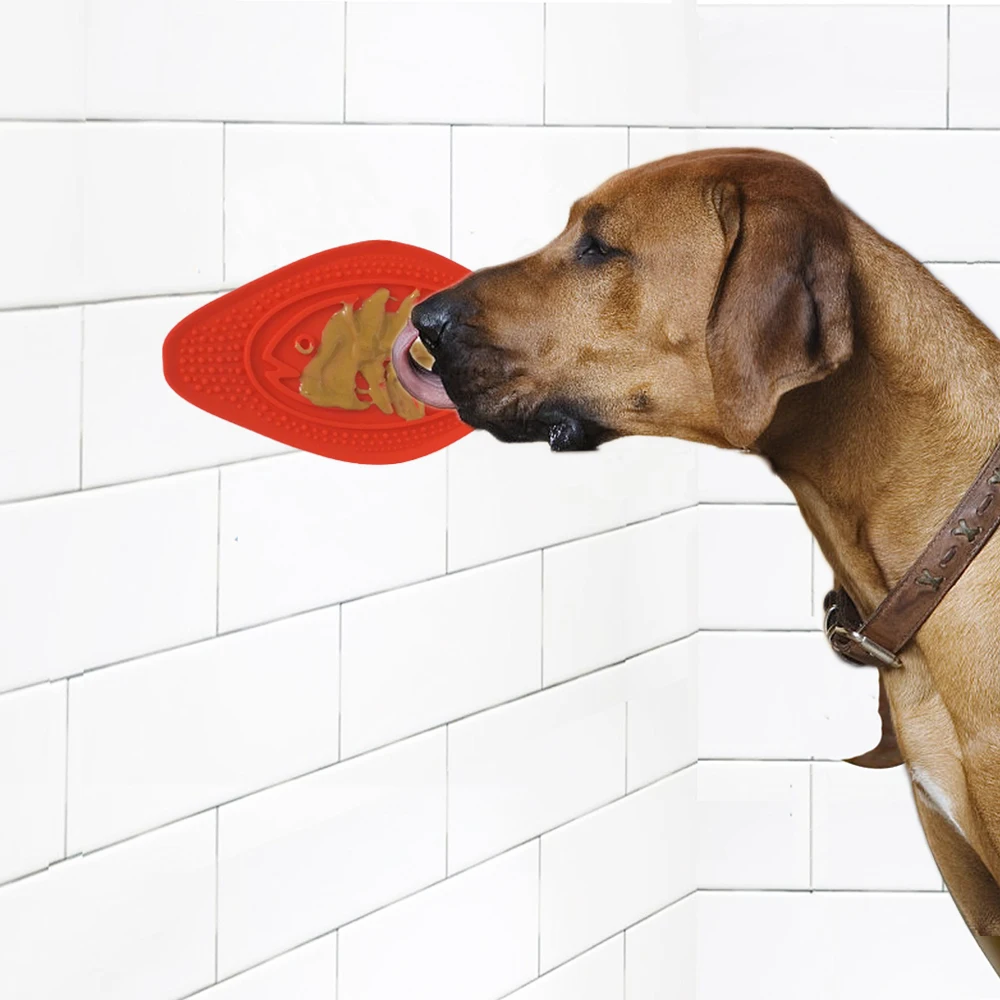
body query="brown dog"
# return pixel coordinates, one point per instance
(727, 297)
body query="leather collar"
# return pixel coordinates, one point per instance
(879, 640)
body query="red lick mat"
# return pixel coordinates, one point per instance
(243, 357)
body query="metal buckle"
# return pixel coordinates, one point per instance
(873, 649)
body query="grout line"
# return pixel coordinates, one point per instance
(947, 72)
(626, 746)
(545, 61)
(810, 824)
(628, 145)
(541, 636)
(340, 682)
(66, 780)
(447, 795)
(216, 894)
(225, 131)
(336, 943)
(218, 550)
(451, 191)
(473, 123)
(83, 334)
(343, 95)
(538, 951)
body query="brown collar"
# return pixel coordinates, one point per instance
(878, 641)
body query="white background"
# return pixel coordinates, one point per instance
(574, 734)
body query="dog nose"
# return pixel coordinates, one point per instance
(435, 316)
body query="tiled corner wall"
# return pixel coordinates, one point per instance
(497, 722)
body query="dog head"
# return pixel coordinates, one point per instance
(683, 298)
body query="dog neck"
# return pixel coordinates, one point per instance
(878, 454)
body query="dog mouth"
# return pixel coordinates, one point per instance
(422, 384)
(563, 424)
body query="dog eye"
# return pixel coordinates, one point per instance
(591, 249)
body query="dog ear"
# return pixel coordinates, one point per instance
(781, 316)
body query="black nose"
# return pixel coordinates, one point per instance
(435, 316)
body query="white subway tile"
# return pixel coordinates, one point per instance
(881, 174)
(974, 76)
(831, 945)
(300, 532)
(738, 477)
(217, 60)
(977, 285)
(620, 64)
(618, 594)
(595, 975)
(524, 768)
(307, 856)
(761, 946)
(42, 59)
(41, 199)
(531, 497)
(753, 825)
(660, 954)
(305, 973)
(445, 62)
(473, 937)
(423, 655)
(876, 66)
(661, 690)
(143, 750)
(32, 778)
(39, 402)
(92, 578)
(912, 945)
(152, 208)
(608, 870)
(773, 695)
(513, 187)
(865, 831)
(293, 190)
(134, 424)
(136, 920)
(754, 568)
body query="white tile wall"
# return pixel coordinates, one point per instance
(322, 529)
(512, 187)
(41, 204)
(572, 494)
(486, 837)
(309, 855)
(42, 59)
(106, 575)
(422, 655)
(135, 425)
(660, 953)
(532, 765)
(754, 568)
(445, 62)
(974, 77)
(610, 869)
(306, 973)
(221, 59)
(152, 208)
(614, 595)
(32, 778)
(753, 825)
(136, 920)
(865, 831)
(44, 456)
(474, 936)
(293, 190)
(595, 975)
(266, 710)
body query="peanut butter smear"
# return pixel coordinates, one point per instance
(361, 341)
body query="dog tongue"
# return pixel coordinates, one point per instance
(417, 381)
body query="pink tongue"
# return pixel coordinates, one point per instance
(417, 381)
